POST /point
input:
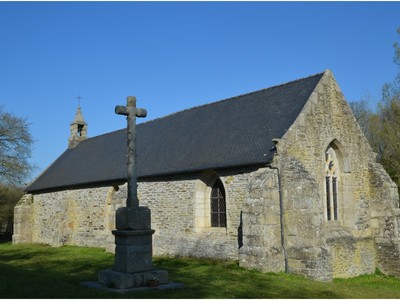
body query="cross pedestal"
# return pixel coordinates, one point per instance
(133, 266)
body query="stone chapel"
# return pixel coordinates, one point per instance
(280, 179)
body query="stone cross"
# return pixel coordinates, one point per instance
(133, 266)
(131, 112)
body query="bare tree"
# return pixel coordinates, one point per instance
(396, 57)
(362, 113)
(388, 131)
(15, 148)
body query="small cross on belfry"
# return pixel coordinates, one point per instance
(79, 100)
(131, 112)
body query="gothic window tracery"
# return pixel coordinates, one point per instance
(331, 184)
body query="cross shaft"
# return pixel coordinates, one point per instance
(131, 112)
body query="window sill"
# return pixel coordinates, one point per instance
(334, 225)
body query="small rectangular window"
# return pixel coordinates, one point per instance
(334, 190)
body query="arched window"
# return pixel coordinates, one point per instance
(218, 205)
(332, 172)
(210, 198)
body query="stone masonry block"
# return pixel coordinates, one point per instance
(120, 280)
(133, 262)
(115, 279)
(128, 218)
(133, 251)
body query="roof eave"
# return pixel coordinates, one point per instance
(120, 181)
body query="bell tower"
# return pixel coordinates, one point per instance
(78, 129)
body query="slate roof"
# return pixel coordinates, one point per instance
(228, 133)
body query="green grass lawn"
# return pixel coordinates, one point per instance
(36, 271)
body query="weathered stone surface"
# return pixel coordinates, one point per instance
(121, 280)
(131, 112)
(133, 251)
(262, 245)
(116, 279)
(89, 216)
(23, 218)
(134, 218)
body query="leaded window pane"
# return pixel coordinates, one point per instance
(218, 205)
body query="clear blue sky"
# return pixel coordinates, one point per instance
(174, 56)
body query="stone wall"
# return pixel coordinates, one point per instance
(85, 217)
(262, 241)
(303, 222)
(174, 202)
(351, 256)
(23, 220)
(81, 217)
(327, 120)
(385, 216)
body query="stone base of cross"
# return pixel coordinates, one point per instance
(133, 267)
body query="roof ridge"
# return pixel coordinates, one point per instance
(233, 97)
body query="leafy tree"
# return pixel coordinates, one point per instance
(15, 148)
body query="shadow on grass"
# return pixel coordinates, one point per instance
(45, 272)
(40, 282)
(225, 279)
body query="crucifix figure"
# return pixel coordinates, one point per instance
(131, 112)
